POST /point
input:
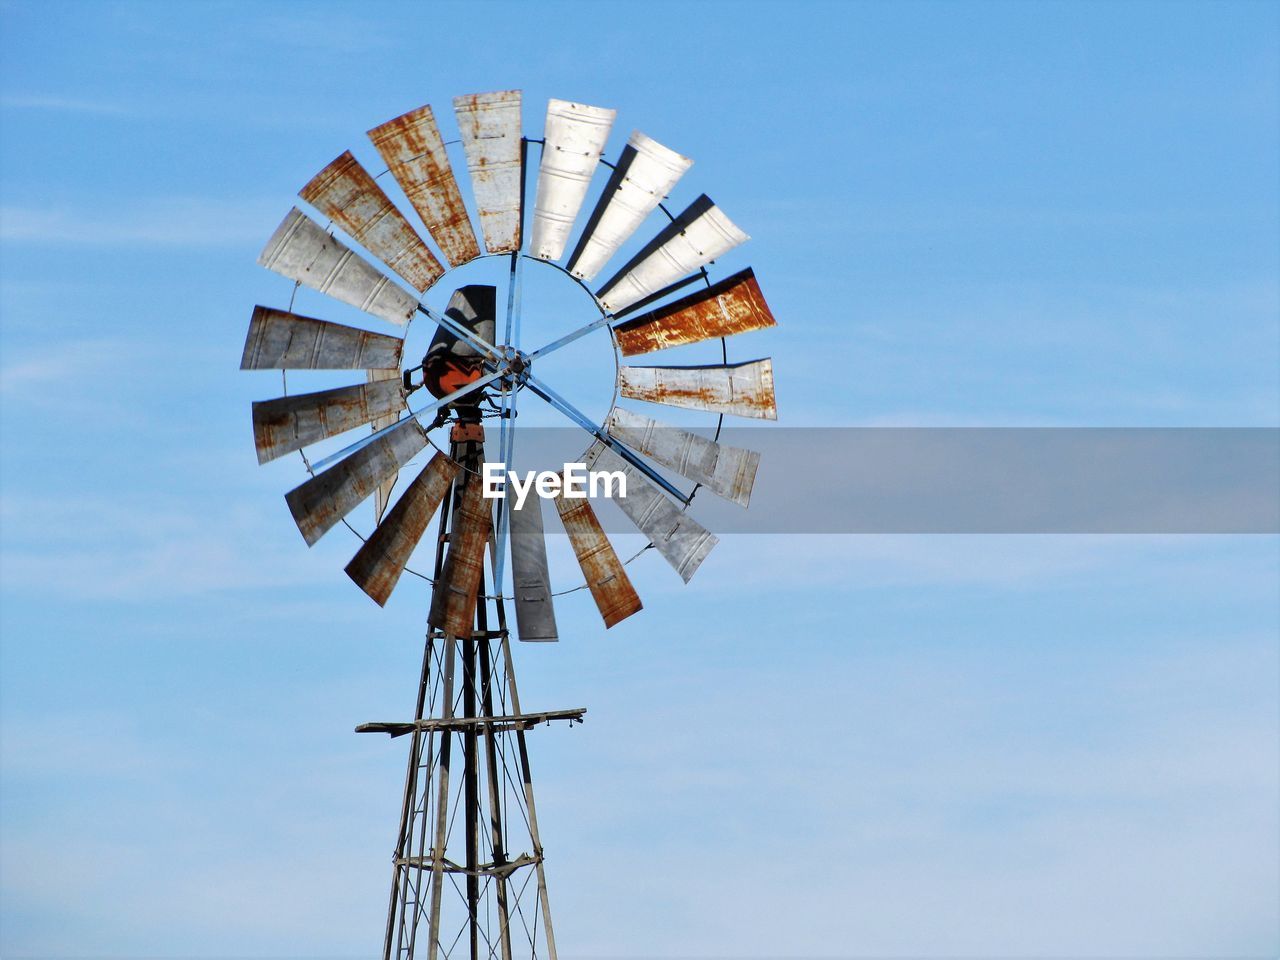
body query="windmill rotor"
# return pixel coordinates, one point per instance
(477, 367)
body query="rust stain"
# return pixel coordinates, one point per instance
(278, 339)
(291, 423)
(615, 597)
(329, 496)
(490, 128)
(744, 389)
(453, 602)
(346, 194)
(377, 566)
(734, 305)
(414, 151)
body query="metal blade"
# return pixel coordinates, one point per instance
(695, 238)
(412, 147)
(573, 142)
(645, 174)
(329, 496)
(281, 340)
(302, 251)
(683, 542)
(490, 126)
(453, 602)
(535, 614)
(615, 597)
(377, 565)
(382, 496)
(743, 389)
(727, 471)
(346, 194)
(286, 424)
(734, 305)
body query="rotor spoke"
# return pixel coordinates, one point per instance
(414, 414)
(581, 419)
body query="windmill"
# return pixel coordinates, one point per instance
(468, 866)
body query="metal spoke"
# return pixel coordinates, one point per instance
(568, 338)
(581, 419)
(414, 415)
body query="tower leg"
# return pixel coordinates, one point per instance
(455, 881)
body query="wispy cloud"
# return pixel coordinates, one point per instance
(62, 104)
(174, 222)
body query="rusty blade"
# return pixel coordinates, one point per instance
(725, 470)
(412, 147)
(280, 340)
(377, 565)
(615, 597)
(531, 581)
(286, 424)
(693, 239)
(734, 305)
(645, 174)
(453, 602)
(683, 542)
(382, 496)
(573, 143)
(329, 496)
(743, 389)
(346, 194)
(302, 251)
(490, 126)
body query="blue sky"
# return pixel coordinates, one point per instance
(962, 214)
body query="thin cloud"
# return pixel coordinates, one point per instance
(174, 222)
(62, 104)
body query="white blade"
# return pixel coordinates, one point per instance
(727, 471)
(574, 141)
(743, 389)
(377, 566)
(683, 542)
(327, 497)
(490, 126)
(346, 194)
(279, 340)
(645, 174)
(290, 423)
(302, 251)
(412, 147)
(530, 579)
(691, 241)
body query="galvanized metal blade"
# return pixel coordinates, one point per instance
(281, 340)
(683, 542)
(412, 147)
(695, 238)
(327, 497)
(725, 470)
(378, 564)
(286, 424)
(453, 602)
(382, 496)
(301, 250)
(645, 174)
(490, 127)
(615, 597)
(743, 389)
(573, 143)
(346, 194)
(734, 305)
(531, 581)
